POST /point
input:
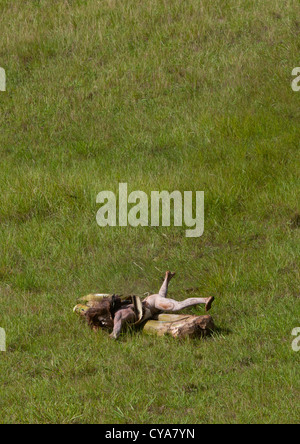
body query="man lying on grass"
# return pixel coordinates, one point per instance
(112, 313)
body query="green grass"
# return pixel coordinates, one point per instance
(164, 95)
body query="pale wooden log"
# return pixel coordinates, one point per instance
(180, 326)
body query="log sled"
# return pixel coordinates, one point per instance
(180, 325)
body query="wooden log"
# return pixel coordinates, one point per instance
(180, 326)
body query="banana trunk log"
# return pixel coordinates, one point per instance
(180, 326)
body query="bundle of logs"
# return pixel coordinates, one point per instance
(180, 326)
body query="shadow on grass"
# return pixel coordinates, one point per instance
(221, 331)
(130, 333)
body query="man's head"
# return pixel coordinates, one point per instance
(99, 316)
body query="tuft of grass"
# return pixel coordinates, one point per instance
(163, 95)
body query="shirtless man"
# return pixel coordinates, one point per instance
(155, 304)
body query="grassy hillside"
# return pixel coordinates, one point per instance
(164, 95)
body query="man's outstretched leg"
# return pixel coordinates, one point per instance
(172, 305)
(159, 302)
(150, 300)
(164, 288)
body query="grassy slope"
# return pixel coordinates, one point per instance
(188, 95)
